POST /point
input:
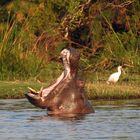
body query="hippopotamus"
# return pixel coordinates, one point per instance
(66, 95)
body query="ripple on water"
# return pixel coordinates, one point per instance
(21, 121)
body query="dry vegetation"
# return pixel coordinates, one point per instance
(107, 33)
(33, 32)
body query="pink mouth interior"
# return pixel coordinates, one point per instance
(47, 90)
(65, 74)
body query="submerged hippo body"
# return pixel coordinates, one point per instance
(66, 95)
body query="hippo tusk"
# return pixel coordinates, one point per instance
(32, 90)
(41, 91)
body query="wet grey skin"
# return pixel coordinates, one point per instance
(66, 96)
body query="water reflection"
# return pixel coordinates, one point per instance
(19, 120)
(63, 118)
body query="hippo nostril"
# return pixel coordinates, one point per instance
(61, 59)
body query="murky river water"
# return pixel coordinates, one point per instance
(111, 121)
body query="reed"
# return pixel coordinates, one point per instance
(18, 59)
(22, 58)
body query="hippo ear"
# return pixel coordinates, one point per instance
(35, 100)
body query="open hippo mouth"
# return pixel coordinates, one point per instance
(38, 98)
(66, 95)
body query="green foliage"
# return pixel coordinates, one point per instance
(32, 34)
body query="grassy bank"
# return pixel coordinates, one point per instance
(95, 90)
(119, 91)
(16, 89)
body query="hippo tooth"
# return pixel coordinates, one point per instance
(32, 90)
(33, 96)
(41, 89)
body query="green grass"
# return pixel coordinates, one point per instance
(94, 90)
(126, 88)
(119, 91)
(17, 89)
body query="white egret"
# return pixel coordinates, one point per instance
(113, 78)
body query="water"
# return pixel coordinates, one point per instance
(19, 120)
